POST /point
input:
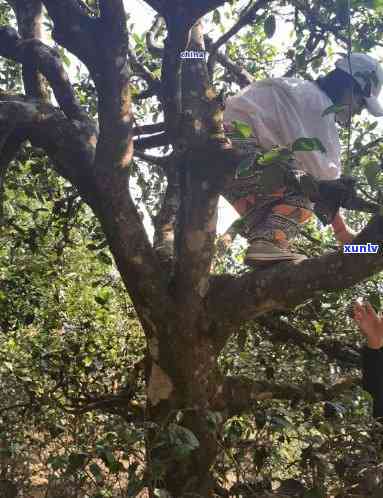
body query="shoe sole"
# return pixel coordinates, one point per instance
(264, 259)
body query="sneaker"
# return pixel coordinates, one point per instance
(263, 252)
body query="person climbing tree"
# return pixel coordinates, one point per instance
(371, 326)
(281, 110)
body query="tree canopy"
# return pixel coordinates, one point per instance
(167, 365)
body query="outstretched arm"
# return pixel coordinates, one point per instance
(371, 326)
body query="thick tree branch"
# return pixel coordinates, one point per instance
(240, 393)
(29, 20)
(75, 30)
(48, 62)
(112, 82)
(113, 15)
(200, 177)
(234, 299)
(68, 143)
(194, 8)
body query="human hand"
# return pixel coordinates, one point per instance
(370, 324)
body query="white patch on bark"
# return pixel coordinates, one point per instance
(203, 286)
(137, 260)
(160, 385)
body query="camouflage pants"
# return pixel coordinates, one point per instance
(275, 217)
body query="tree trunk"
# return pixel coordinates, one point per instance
(183, 383)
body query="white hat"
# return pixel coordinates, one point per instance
(369, 74)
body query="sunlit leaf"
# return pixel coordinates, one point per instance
(242, 129)
(333, 109)
(308, 144)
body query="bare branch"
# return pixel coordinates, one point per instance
(282, 331)
(249, 16)
(140, 70)
(242, 76)
(240, 393)
(116, 403)
(48, 62)
(154, 49)
(314, 21)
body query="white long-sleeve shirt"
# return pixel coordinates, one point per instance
(281, 110)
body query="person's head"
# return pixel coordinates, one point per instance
(355, 84)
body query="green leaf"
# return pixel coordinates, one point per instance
(103, 295)
(216, 17)
(314, 493)
(57, 462)
(270, 26)
(66, 60)
(182, 439)
(280, 423)
(243, 129)
(333, 109)
(308, 144)
(374, 299)
(300, 60)
(96, 472)
(245, 167)
(371, 171)
(135, 488)
(104, 258)
(137, 38)
(110, 460)
(274, 156)
(76, 461)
